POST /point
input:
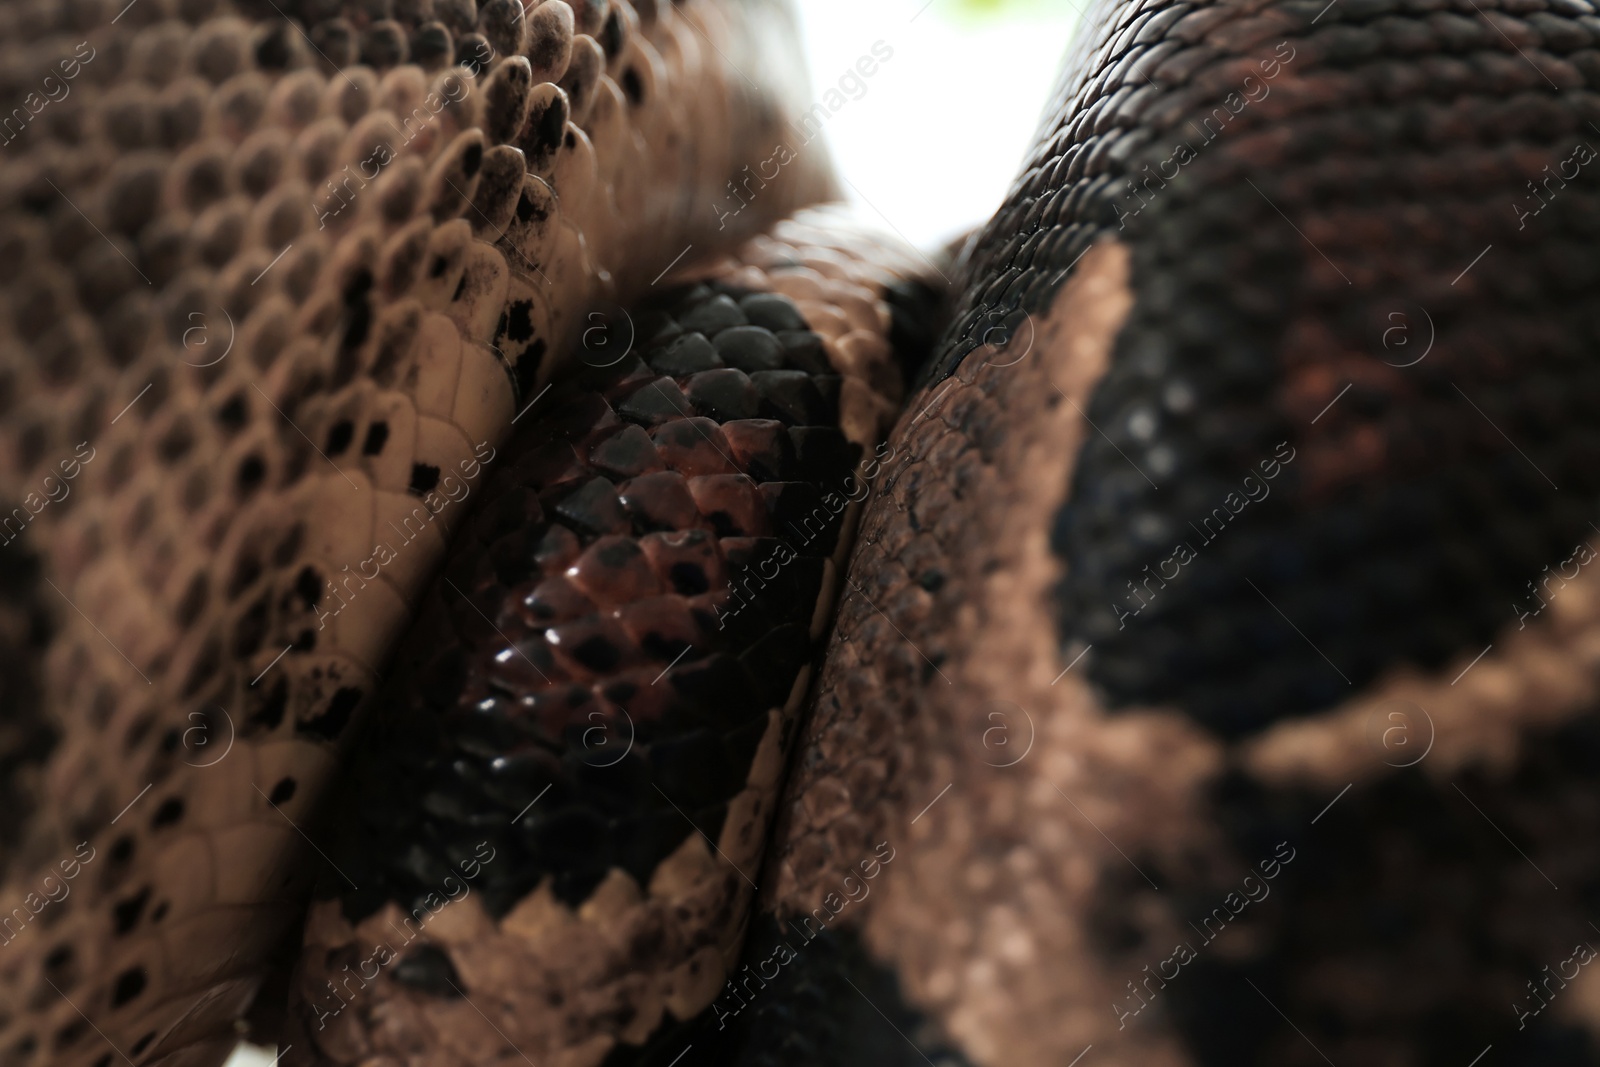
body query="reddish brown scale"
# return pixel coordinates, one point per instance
(625, 566)
(661, 499)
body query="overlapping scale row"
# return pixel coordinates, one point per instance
(587, 725)
(1309, 382)
(1307, 192)
(257, 261)
(607, 626)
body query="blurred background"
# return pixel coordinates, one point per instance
(934, 140)
(928, 143)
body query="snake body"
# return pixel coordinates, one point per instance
(416, 307)
(1081, 706)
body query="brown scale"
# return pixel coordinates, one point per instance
(1031, 891)
(261, 347)
(599, 689)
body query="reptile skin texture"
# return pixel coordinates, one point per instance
(270, 271)
(582, 742)
(1156, 646)
(1249, 459)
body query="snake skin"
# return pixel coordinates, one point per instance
(582, 744)
(268, 272)
(1250, 458)
(1216, 546)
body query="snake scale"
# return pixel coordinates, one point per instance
(468, 599)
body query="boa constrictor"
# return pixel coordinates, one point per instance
(472, 599)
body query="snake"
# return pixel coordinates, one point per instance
(473, 595)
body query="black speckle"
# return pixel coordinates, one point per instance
(71, 1033)
(121, 850)
(130, 983)
(461, 287)
(428, 970)
(170, 811)
(340, 436)
(125, 914)
(309, 586)
(332, 722)
(688, 578)
(572, 139)
(273, 52)
(424, 477)
(597, 654)
(232, 415)
(272, 709)
(251, 473)
(438, 268)
(633, 86)
(611, 36)
(377, 437)
(527, 368)
(527, 210)
(472, 159)
(519, 321)
(547, 128)
(282, 792)
(931, 580)
(358, 309)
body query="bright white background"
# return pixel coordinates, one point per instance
(934, 142)
(932, 145)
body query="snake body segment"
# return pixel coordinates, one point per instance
(599, 698)
(1256, 431)
(281, 269)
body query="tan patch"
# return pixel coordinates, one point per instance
(996, 776)
(176, 557)
(1535, 674)
(566, 985)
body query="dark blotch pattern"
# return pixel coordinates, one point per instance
(1399, 875)
(808, 1013)
(588, 682)
(26, 733)
(429, 969)
(1302, 191)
